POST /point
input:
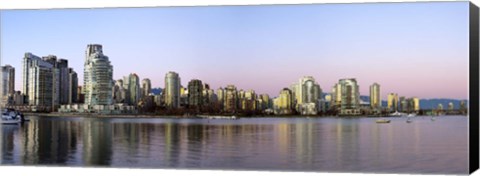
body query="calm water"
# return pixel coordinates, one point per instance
(307, 144)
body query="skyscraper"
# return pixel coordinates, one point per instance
(52, 59)
(375, 99)
(392, 103)
(249, 100)
(195, 93)
(118, 92)
(266, 103)
(72, 86)
(146, 87)
(8, 83)
(350, 97)
(172, 90)
(98, 73)
(416, 104)
(41, 84)
(336, 98)
(134, 89)
(221, 97)
(307, 95)
(64, 78)
(283, 103)
(231, 99)
(28, 59)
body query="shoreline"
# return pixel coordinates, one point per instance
(76, 115)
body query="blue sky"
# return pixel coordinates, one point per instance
(413, 49)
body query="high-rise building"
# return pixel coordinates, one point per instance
(402, 104)
(195, 93)
(375, 99)
(28, 60)
(80, 95)
(350, 97)
(283, 103)
(56, 87)
(336, 99)
(98, 73)
(392, 103)
(416, 104)
(8, 83)
(146, 87)
(248, 101)
(72, 86)
(63, 81)
(221, 97)
(134, 89)
(41, 84)
(183, 96)
(266, 103)
(231, 99)
(172, 90)
(119, 92)
(209, 96)
(307, 95)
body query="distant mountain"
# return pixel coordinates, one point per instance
(156, 91)
(433, 103)
(424, 103)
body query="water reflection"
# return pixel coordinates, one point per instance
(8, 147)
(97, 143)
(326, 144)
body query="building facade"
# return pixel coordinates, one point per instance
(172, 90)
(146, 87)
(98, 73)
(8, 83)
(231, 99)
(349, 97)
(195, 93)
(283, 104)
(307, 94)
(375, 99)
(392, 102)
(72, 86)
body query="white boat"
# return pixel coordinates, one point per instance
(11, 121)
(412, 115)
(397, 114)
(217, 117)
(10, 116)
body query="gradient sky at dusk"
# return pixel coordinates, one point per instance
(413, 49)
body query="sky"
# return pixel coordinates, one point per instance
(413, 49)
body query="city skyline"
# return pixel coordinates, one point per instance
(269, 62)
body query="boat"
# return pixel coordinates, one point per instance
(397, 114)
(217, 117)
(10, 116)
(382, 121)
(412, 115)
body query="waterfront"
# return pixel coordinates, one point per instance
(292, 144)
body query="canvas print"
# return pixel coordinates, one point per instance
(369, 88)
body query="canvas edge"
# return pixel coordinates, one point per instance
(474, 88)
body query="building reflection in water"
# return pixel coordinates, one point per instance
(324, 144)
(97, 143)
(48, 142)
(8, 143)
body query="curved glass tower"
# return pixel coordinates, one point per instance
(98, 73)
